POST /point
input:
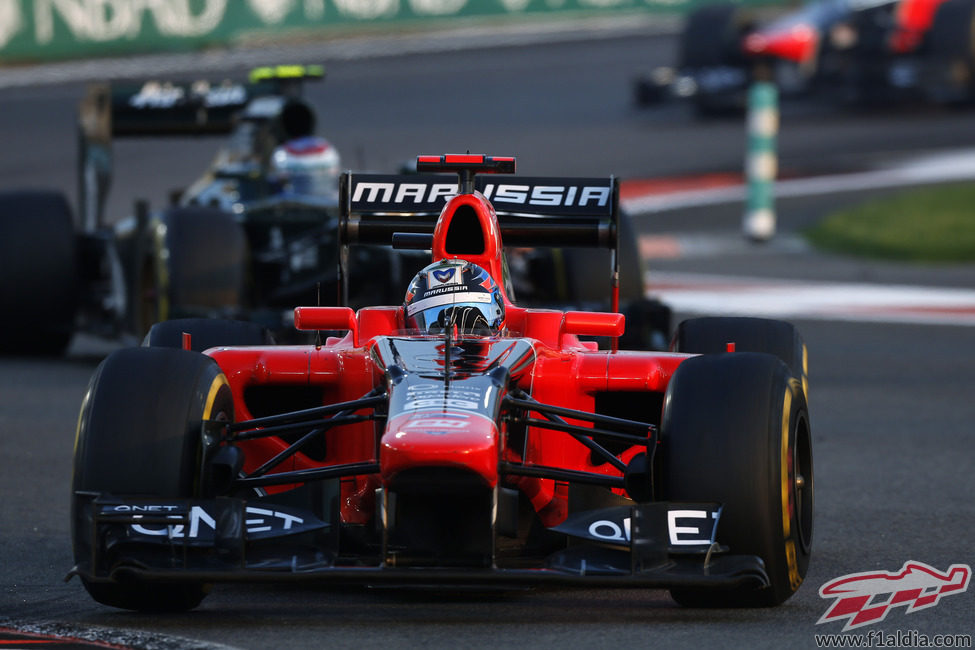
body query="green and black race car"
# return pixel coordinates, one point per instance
(254, 235)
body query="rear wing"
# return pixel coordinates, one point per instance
(166, 108)
(531, 211)
(158, 107)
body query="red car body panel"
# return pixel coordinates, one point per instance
(913, 18)
(568, 374)
(798, 43)
(565, 372)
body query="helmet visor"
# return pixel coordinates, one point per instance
(471, 312)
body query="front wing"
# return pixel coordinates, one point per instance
(657, 545)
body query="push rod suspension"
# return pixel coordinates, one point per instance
(520, 399)
(306, 475)
(373, 398)
(554, 473)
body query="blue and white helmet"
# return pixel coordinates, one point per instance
(454, 292)
(307, 166)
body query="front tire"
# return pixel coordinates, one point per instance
(139, 435)
(735, 430)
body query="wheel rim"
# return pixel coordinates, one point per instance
(803, 484)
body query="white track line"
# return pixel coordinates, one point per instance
(720, 295)
(935, 168)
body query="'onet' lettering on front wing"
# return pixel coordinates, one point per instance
(204, 521)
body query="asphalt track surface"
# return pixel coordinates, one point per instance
(891, 404)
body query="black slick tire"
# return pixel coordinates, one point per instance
(948, 54)
(712, 335)
(712, 36)
(736, 430)
(206, 333)
(38, 264)
(199, 265)
(139, 435)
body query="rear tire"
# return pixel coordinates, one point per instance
(38, 264)
(588, 285)
(712, 38)
(647, 320)
(139, 435)
(949, 53)
(206, 333)
(711, 335)
(735, 430)
(199, 266)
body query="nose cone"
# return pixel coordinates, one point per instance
(797, 43)
(442, 439)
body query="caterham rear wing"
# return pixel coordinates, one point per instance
(172, 108)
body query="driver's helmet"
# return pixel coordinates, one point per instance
(307, 166)
(454, 293)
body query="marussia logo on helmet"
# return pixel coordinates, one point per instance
(444, 274)
(866, 598)
(448, 275)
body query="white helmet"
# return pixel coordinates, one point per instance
(307, 166)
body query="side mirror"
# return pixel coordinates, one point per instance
(327, 318)
(593, 323)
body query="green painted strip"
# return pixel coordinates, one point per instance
(38, 30)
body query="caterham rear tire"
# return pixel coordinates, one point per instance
(38, 264)
(196, 267)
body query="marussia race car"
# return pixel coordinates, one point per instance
(862, 51)
(254, 236)
(454, 438)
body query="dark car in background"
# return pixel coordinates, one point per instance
(254, 231)
(254, 235)
(856, 51)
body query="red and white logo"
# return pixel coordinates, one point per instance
(865, 598)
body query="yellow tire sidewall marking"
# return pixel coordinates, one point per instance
(785, 451)
(218, 382)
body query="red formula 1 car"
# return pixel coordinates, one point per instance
(862, 51)
(455, 438)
